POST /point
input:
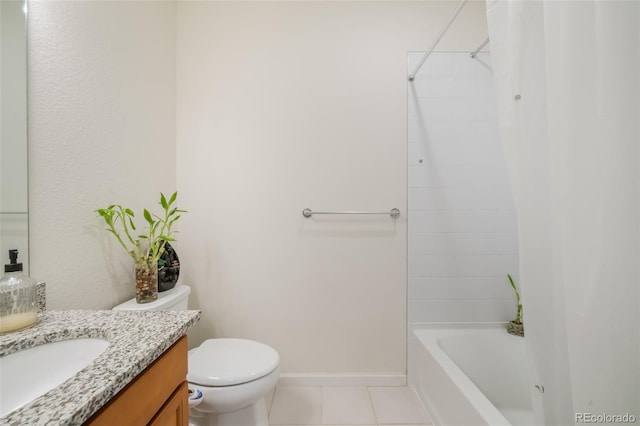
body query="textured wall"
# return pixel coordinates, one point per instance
(287, 105)
(102, 131)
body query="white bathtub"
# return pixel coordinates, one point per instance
(472, 374)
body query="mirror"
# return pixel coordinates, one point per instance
(14, 217)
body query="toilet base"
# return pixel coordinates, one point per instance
(253, 415)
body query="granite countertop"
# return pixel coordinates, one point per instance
(136, 339)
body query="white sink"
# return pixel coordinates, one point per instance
(30, 373)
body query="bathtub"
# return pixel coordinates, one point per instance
(472, 374)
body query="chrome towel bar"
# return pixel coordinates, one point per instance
(394, 213)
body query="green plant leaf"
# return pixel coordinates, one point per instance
(173, 197)
(148, 217)
(163, 201)
(129, 212)
(518, 318)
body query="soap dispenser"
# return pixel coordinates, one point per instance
(18, 308)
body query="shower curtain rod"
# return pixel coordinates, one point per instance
(475, 52)
(437, 40)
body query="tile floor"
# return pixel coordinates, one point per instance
(328, 405)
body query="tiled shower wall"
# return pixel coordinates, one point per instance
(462, 222)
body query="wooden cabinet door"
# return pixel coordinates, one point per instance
(175, 412)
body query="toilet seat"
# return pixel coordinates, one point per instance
(228, 362)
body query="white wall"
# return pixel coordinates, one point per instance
(13, 132)
(102, 131)
(287, 105)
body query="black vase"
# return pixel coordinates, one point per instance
(168, 269)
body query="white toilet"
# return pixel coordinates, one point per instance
(233, 375)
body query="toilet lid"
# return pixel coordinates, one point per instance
(225, 362)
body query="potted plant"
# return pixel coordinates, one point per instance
(146, 248)
(516, 327)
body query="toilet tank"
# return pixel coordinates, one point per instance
(176, 299)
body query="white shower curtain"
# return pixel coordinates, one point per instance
(568, 80)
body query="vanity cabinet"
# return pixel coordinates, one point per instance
(158, 396)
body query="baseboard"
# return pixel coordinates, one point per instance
(319, 379)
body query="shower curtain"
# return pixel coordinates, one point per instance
(568, 80)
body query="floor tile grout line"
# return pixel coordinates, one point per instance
(424, 408)
(373, 406)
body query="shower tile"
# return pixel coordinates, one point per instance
(496, 221)
(444, 108)
(463, 67)
(497, 243)
(488, 198)
(496, 287)
(439, 288)
(461, 265)
(440, 310)
(397, 405)
(462, 152)
(443, 221)
(488, 265)
(442, 243)
(429, 88)
(423, 175)
(494, 175)
(494, 310)
(442, 198)
(439, 65)
(449, 87)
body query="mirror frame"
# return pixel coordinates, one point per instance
(14, 168)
